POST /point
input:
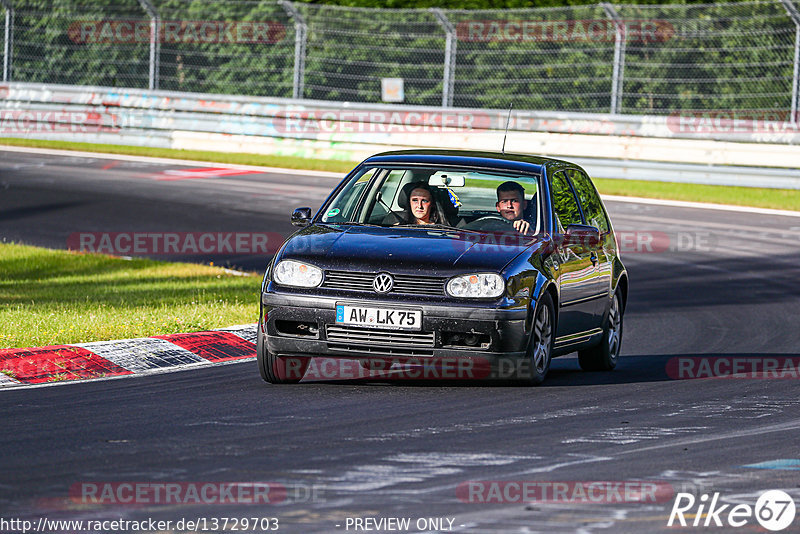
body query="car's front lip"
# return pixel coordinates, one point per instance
(506, 328)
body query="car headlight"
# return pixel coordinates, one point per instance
(297, 274)
(481, 285)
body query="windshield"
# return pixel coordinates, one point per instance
(412, 196)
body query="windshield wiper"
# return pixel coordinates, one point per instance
(435, 226)
(353, 223)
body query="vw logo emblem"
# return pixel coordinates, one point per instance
(383, 283)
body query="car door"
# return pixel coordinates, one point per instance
(576, 272)
(595, 215)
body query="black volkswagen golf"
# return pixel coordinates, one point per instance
(446, 264)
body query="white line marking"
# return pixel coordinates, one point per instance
(755, 431)
(169, 161)
(325, 174)
(700, 205)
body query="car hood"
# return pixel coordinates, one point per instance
(411, 250)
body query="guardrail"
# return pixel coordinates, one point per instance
(697, 149)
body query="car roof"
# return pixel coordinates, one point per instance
(468, 158)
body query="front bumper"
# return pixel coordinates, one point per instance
(505, 332)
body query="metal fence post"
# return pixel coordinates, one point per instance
(300, 33)
(619, 57)
(448, 83)
(795, 16)
(8, 41)
(155, 42)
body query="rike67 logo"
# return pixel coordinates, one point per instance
(774, 510)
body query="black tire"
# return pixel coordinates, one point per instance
(604, 356)
(273, 368)
(540, 346)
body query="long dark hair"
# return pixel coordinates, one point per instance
(437, 213)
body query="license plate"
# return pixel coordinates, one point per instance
(379, 317)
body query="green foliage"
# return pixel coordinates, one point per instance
(728, 56)
(472, 4)
(48, 44)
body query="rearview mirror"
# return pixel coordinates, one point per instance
(447, 180)
(301, 217)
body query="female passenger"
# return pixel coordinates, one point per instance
(422, 207)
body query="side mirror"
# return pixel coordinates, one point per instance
(582, 234)
(301, 217)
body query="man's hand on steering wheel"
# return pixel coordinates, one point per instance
(522, 226)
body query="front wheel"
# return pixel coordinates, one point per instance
(604, 356)
(275, 369)
(540, 348)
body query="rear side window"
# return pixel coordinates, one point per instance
(564, 202)
(590, 200)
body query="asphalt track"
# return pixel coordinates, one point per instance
(717, 285)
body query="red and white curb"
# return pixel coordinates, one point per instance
(104, 359)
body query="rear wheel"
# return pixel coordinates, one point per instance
(604, 356)
(277, 369)
(540, 348)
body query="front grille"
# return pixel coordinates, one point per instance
(365, 350)
(348, 281)
(405, 284)
(379, 342)
(349, 334)
(418, 285)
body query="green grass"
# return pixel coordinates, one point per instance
(784, 199)
(50, 297)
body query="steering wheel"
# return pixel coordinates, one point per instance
(491, 222)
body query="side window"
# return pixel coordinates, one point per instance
(343, 206)
(564, 202)
(391, 188)
(388, 189)
(590, 200)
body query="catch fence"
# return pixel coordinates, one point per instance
(739, 57)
